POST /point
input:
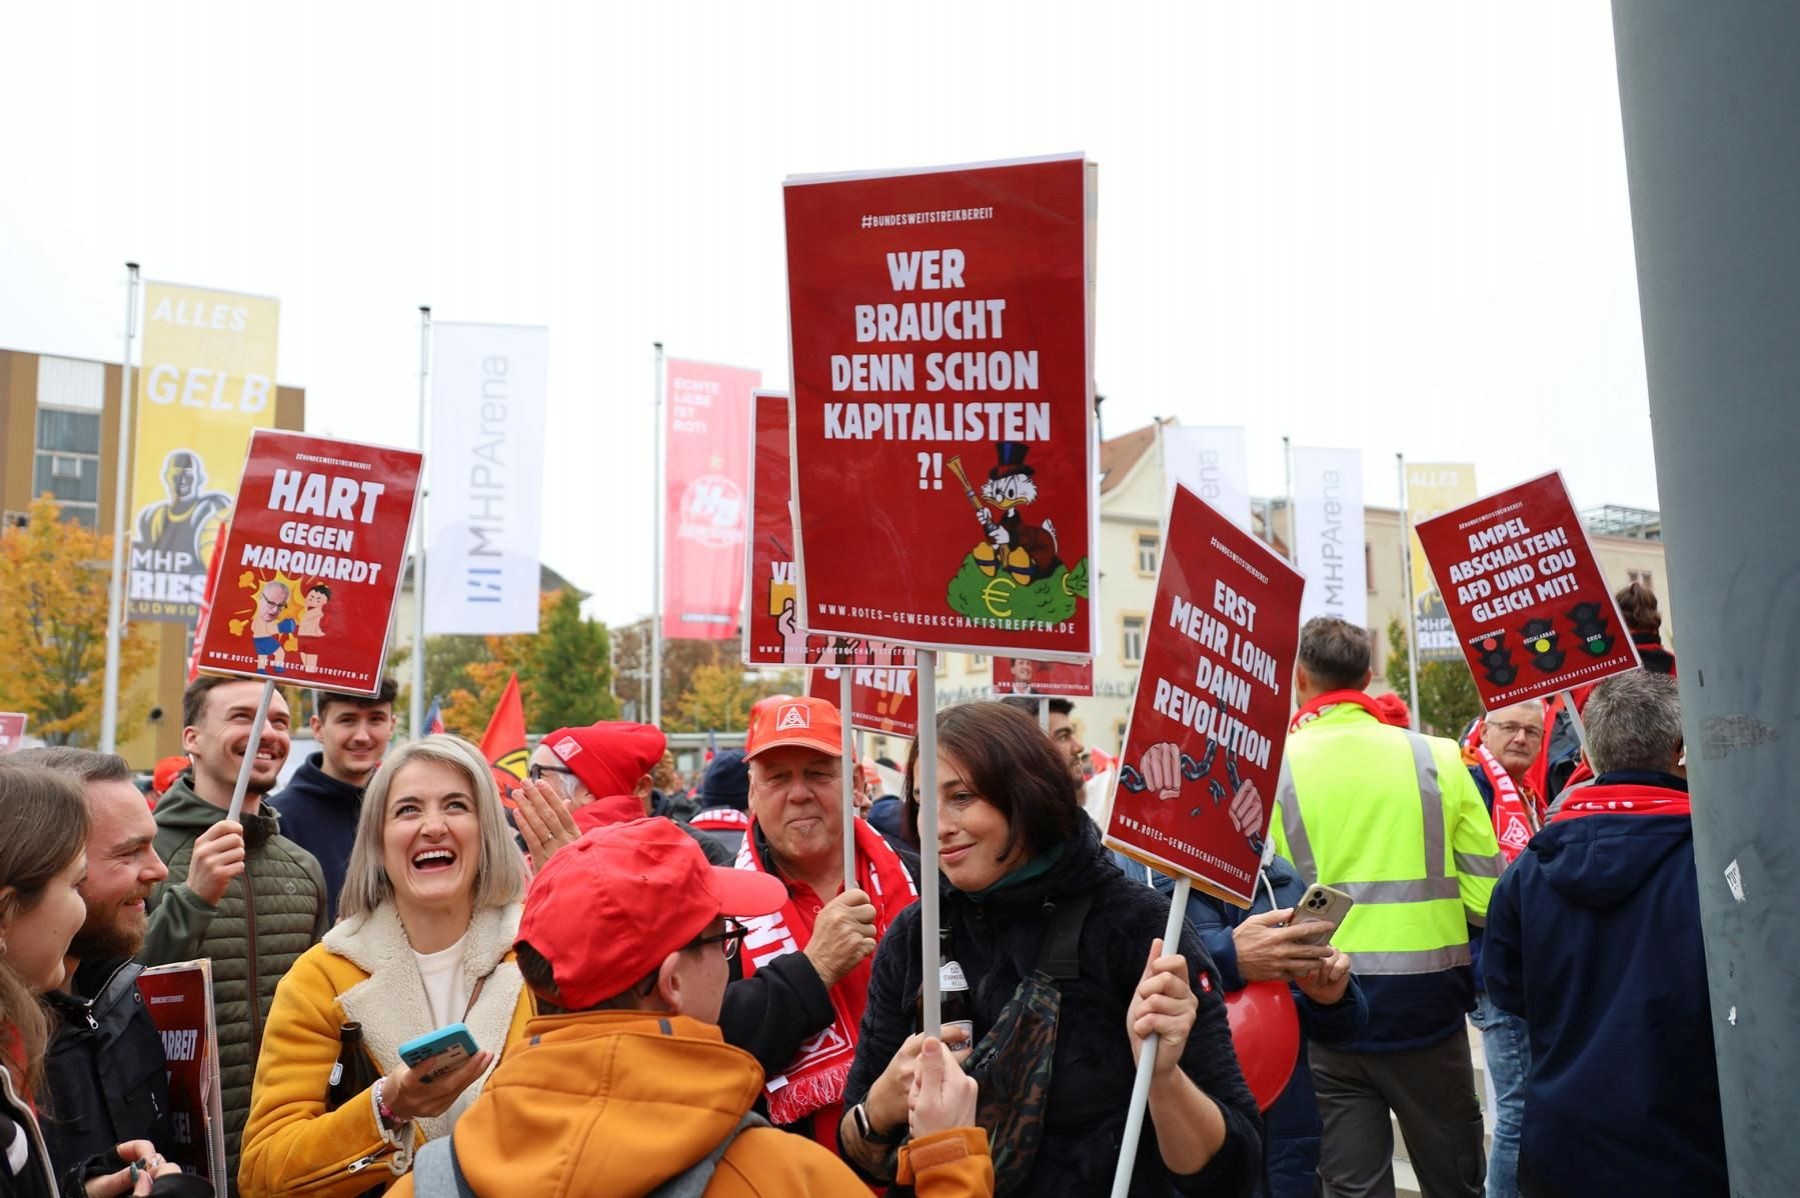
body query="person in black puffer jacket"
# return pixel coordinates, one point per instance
(1021, 864)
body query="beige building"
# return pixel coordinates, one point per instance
(59, 433)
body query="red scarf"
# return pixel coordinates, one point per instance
(720, 819)
(1624, 798)
(1514, 821)
(1325, 702)
(814, 1081)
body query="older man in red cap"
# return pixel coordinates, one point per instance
(806, 966)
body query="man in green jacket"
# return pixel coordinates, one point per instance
(240, 893)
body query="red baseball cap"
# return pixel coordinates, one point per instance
(609, 757)
(607, 909)
(809, 723)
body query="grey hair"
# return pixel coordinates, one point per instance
(85, 764)
(1634, 723)
(500, 870)
(1335, 653)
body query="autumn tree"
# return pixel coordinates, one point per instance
(1448, 698)
(564, 669)
(53, 598)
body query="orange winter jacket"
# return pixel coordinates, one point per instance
(611, 1104)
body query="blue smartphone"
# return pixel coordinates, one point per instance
(448, 1047)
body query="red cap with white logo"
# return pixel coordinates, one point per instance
(808, 723)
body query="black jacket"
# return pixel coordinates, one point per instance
(25, 1170)
(319, 814)
(996, 940)
(104, 1074)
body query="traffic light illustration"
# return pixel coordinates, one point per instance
(1496, 660)
(1590, 629)
(1540, 641)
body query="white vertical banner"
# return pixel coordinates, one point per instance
(484, 465)
(1328, 534)
(1213, 463)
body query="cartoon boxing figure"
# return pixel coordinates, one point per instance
(312, 625)
(1026, 552)
(267, 627)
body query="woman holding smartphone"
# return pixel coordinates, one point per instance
(426, 921)
(1066, 976)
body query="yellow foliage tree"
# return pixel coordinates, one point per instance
(53, 629)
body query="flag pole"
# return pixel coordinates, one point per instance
(1146, 1063)
(846, 675)
(1287, 469)
(115, 588)
(656, 574)
(925, 793)
(1412, 618)
(415, 707)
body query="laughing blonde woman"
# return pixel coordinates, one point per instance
(429, 910)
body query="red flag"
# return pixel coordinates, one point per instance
(206, 600)
(503, 744)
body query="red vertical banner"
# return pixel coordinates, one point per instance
(705, 476)
(180, 999)
(943, 417)
(1531, 610)
(881, 700)
(1025, 676)
(1203, 751)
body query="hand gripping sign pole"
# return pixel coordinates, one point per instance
(1146, 1064)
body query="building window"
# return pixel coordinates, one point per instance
(1147, 545)
(977, 660)
(67, 463)
(1643, 576)
(1131, 638)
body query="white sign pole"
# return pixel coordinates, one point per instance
(115, 591)
(1140, 1086)
(925, 792)
(236, 810)
(846, 677)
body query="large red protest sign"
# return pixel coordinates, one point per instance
(881, 700)
(12, 730)
(1203, 751)
(704, 478)
(1525, 595)
(180, 1000)
(774, 634)
(312, 563)
(943, 407)
(1026, 676)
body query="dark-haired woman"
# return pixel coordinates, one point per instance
(1643, 618)
(1066, 974)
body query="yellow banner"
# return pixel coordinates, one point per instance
(1431, 490)
(206, 379)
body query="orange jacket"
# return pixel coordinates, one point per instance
(611, 1104)
(950, 1164)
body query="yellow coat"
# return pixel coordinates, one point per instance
(363, 971)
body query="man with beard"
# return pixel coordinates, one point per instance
(240, 893)
(105, 1074)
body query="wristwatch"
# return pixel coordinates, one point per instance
(859, 1115)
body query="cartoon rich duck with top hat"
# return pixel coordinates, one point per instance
(1016, 572)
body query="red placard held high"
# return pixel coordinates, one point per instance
(881, 700)
(1525, 595)
(1203, 751)
(943, 413)
(311, 565)
(1026, 676)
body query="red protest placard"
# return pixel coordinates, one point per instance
(881, 700)
(1530, 607)
(774, 634)
(943, 415)
(1203, 751)
(12, 730)
(1025, 676)
(312, 563)
(180, 1000)
(703, 553)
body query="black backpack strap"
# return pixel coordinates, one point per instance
(1060, 956)
(692, 1182)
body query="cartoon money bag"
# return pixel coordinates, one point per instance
(1015, 571)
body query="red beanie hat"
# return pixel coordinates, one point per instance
(609, 757)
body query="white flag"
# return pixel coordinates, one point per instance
(1212, 463)
(1328, 534)
(485, 467)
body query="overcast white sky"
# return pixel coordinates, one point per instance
(1401, 227)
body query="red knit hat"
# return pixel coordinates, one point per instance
(609, 757)
(607, 909)
(167, 770)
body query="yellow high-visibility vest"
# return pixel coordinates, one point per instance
(1393, 819)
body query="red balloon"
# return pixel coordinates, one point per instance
(1265, 1031)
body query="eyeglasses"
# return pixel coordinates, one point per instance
(1509, 730)
(728, 941)
(536, 772)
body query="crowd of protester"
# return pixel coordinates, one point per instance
(679, 989)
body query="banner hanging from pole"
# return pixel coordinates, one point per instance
(1202, 755)
(312, 563)
(1213, 462)
(1328, 534)
(1431, 490)
(206, 379)
(943, 405)
(489, 384)
(1024, 676)
(1531, 611)
(705, 478)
